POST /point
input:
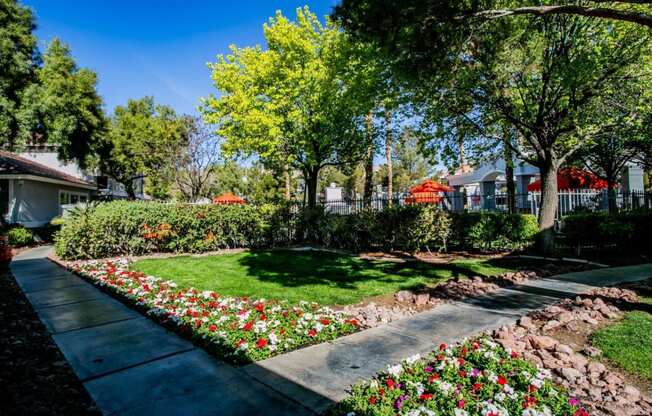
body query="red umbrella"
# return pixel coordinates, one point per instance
(228, 198)
(427, 192)
(573, 178)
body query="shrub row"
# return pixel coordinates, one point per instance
(626, 230)
(136, 228)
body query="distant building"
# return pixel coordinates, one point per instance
(35, 186)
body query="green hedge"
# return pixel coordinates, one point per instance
(493, 231)
(626, 230)
(137, 228)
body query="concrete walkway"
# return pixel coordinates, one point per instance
(131, 365)
(327, 370)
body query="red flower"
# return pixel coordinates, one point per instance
(239, 343)
(262, 342)
(433, 378)
(462, 373)
(260, 307)
(325, 321)
(460, 361)
(502, 380)
(460, 404)
(426, 396)
(529, 401)
(212, 328)
(532, 388)
(312, 332)
(477, 386)
(263, 317)
(476, 345)
(463, 352)
(372, 400)
(514, 354)
(381, 391)
(581, 412)
(442, 347)
(390, 383)
(248, 326)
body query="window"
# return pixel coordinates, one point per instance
(72, 198)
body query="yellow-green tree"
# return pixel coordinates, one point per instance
(300, 102)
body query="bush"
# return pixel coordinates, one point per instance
(136, 228)
(493, 231)
(20, 236)
(626, 230)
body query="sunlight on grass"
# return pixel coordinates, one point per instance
(629, 343)
(323, 277)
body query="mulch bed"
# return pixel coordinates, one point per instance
(35, 377)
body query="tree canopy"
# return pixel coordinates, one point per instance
(300, 102)
(143, 137)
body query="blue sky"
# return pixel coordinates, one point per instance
(158, 48)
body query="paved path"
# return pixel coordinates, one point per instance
(327, 370)
(131, 365)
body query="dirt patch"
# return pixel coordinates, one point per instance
(35, 377)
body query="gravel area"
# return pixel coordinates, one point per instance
(35, 377)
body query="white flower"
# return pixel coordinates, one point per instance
(395, 370)
(461, 412)
(413, 359)
(500, 396)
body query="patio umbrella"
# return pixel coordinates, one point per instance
(228, 198)
(572, 178)
(428, 191)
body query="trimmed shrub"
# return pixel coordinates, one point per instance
(20, 236)
(626, 230)
(136, 228)
(493, 231)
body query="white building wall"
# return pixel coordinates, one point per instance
(35, 204)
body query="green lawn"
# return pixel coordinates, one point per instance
(323, 277)
(629, 343)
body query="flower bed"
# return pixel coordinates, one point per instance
(240, 330)
(473, 378)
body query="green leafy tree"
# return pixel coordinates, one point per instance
(540, 75)
(62, 107)
(18, 61)
(299, 103)
(142, 141)
(255, 183)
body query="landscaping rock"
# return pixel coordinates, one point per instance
(542, 342)
(404, 296)
(421, 299)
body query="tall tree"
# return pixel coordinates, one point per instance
(194, 161)
(538, 74)
(142, 139)
(297, 103)
(18, 60)
(62, 107)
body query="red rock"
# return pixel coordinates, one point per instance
(542, 342)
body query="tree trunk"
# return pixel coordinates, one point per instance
(509, 174)
(548, 208)
(369, 163)
(611, 194)
(311, 185)
(129, 189)
(286, 178)
(388, 156)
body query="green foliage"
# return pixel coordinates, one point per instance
(20, 236)
(254, 183)
(63, 107)
(493, 231)
(18, 60)
(628, 231)
(136, 228)
(142, 138)
(299, 102)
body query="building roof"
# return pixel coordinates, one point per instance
(12, 164)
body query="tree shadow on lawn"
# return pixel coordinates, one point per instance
(295, 269)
